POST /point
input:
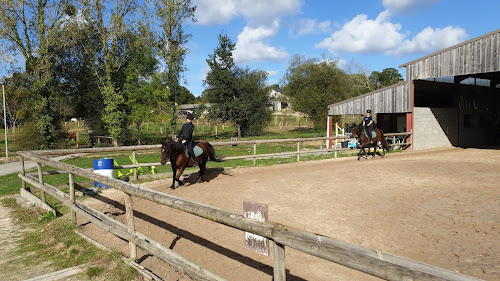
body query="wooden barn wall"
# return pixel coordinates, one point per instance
(390, 100)
(476, 56)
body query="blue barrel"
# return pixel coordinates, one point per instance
(104, 167)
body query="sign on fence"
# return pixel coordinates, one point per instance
(255, 242)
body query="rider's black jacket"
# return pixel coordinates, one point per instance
(186, 132)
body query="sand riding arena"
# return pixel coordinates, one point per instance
(439, 207)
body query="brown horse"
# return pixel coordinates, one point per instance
(174, 151)
(71, 136)
(359, 132)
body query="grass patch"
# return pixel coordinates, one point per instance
(53, 241)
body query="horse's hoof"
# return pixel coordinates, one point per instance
(172, 187)
(199, 181)
(181, 183)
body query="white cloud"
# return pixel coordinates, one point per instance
(406, 6)
(272, 72)
(210, 12)
(398, 5)
(430, 40)
(203, 72)
(260, 11)
(363, 35)
(310, 26)
(262, 17)
(252, 44)
(341, 63)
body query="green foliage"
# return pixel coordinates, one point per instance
(171, 41)
(47, 121)
(312, 85)
(139, 87)
(40, 23)
(239, 94)
(185, 96)
(28, 137)
(388, 76)
(252, 112)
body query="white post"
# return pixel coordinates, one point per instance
(5, 124)
(328, 130)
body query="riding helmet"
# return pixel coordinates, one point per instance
(368, 111)
(189, 116)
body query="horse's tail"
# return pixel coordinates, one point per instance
(384, 142)
(212, 153)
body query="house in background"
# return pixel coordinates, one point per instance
(278, 100)
(185, 108)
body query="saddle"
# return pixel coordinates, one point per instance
(373, 133)
(196, 150)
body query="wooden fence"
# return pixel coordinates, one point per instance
(373, 262)
(405, 140)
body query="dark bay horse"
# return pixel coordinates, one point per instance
(174, 151)
(358, 132)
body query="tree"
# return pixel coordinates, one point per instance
(185, 96)
(312, 85)
(77, 68)
(239, 94)
(16, 95)
(252, 112)
(139, 87)
(172, 16)
(388, 76)
(31, 29)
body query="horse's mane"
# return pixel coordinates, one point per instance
(173, 145)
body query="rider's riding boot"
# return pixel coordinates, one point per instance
(195, 163)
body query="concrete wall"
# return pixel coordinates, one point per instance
(435, 127)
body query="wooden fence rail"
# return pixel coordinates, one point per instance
(298, 152)
(363, 259)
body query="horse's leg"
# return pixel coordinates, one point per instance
(181, 170)
(359, 153)
(174, 169)
(202, 171)
(375, 149)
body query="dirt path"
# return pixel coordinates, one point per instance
(11, 266)
(439, 207)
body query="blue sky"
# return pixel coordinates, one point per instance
(371, 35)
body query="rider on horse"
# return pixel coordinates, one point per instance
(187, 137)
(368, 124)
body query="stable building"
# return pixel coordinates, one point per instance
(449, 98)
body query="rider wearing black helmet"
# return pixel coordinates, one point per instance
(368, 124)
(186, 136)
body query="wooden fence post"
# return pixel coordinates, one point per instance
(279, 262)
(40, 179)
(133, 162)
(23, 172)
(336, 148)
(72, 195)
(254, 153)
(411, 138)
(129, 213)
(298, 151)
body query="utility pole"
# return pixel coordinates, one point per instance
(5, 124)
